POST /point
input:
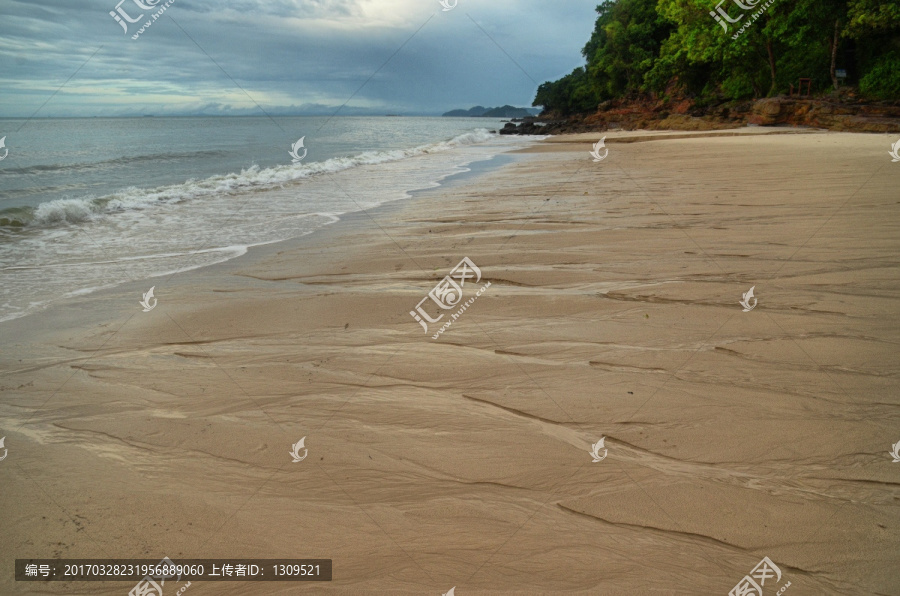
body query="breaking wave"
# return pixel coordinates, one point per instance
(74, 211)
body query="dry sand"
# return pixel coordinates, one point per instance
(464, 461)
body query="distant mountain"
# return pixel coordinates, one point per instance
(470, 113)
(511, 112)
(502, 112)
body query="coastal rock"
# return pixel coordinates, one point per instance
(842, 111)
(528, 127)
(766, 111)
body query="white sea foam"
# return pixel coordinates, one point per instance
(85, 209)
(66, 211)
(139, 234)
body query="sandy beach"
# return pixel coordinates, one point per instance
(465, 461)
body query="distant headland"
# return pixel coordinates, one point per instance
(502, 112)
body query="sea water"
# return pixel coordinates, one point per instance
(90, 203)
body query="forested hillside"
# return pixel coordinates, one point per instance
(738, 49)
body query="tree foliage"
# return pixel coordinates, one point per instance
(758, 48)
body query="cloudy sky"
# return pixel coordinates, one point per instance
(71, 58)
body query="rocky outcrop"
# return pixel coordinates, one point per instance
(825, 114)
(842, 113)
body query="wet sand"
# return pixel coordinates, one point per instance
(613, 311)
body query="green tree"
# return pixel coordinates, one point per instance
(624, 46)
(571, 94)
(874, 27)
(756, 48)
(738, 62)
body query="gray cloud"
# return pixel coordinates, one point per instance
(288, 56)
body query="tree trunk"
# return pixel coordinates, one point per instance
(771, 65)
(834, 47)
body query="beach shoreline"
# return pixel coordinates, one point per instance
(613, 312)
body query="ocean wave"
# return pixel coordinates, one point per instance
(75, 211)
(118, 161)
